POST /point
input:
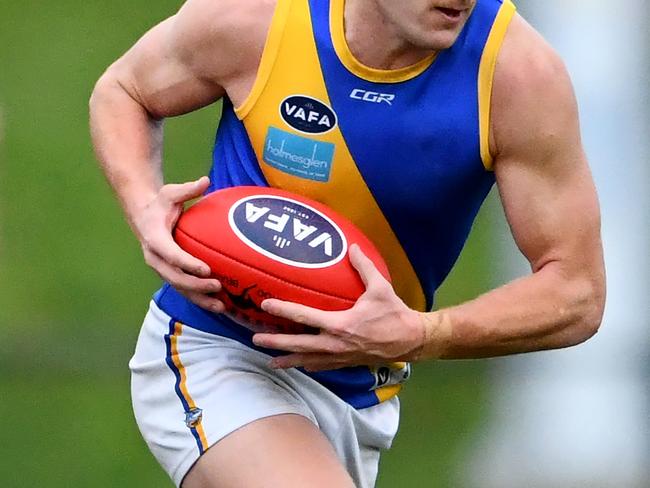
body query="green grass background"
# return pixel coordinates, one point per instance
(74, 288)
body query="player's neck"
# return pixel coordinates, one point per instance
(376, 42)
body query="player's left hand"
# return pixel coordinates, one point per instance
(378, 329)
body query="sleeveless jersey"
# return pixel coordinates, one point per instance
(403, 153)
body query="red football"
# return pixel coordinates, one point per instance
(269, 243)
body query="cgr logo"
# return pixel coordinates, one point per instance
(308, 115)
(373, 97)
(287, 231)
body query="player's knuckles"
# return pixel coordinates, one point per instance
(345, 323)
(184, 262)
(336, 347)
(333, 322)
(380, 289)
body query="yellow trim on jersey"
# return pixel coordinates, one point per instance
(386, 392)
(486, 77)
(337, 28)
(271, 47)
(176, 359)
(296, 70)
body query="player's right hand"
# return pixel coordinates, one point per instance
(154, 224)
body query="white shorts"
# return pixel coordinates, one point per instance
(190, 389)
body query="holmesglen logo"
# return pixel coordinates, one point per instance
(306, 114)
(287, 231)
(298, 155)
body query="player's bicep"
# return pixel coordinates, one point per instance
(553, 212)
(154, 72)
(542, 172)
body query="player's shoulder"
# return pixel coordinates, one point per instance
(527, 61)
(230, 33)
(532, 94)
(220, 16)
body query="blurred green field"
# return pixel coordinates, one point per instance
(73, 287)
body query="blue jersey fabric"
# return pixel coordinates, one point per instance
(419, 156)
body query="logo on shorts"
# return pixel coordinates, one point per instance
(287, 231)
(383, 375)
(394, 374)
(193, 418)
(307, 114)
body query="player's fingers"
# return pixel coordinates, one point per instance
(288, 361)
(367, 270)
(316, 363)
(172, 253)
(180, 280)
(182, 192)
(204, 301)
(309, 362)
(300, 342)
(300, 314)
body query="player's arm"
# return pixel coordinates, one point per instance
(552, 208)
(176, 67)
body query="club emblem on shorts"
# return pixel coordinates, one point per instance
(307, 114)
(193, 417)
(287, 231)
(394, 374)
(383, 375)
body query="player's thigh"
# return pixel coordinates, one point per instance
(283, 451)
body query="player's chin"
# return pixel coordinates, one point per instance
(439, 39)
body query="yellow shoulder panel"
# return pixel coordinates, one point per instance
(486, 76)
(271, 48)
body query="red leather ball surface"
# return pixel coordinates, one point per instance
(269, 243)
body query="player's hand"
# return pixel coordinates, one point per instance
(378, 329)
(154, 225)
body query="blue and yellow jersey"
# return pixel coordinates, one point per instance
(403, 153)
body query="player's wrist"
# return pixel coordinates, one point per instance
(137, 209)
(436, 335)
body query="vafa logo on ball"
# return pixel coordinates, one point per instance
(308, 115)
(287, 231)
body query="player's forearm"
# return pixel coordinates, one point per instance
(128, 144)
(546, 310)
